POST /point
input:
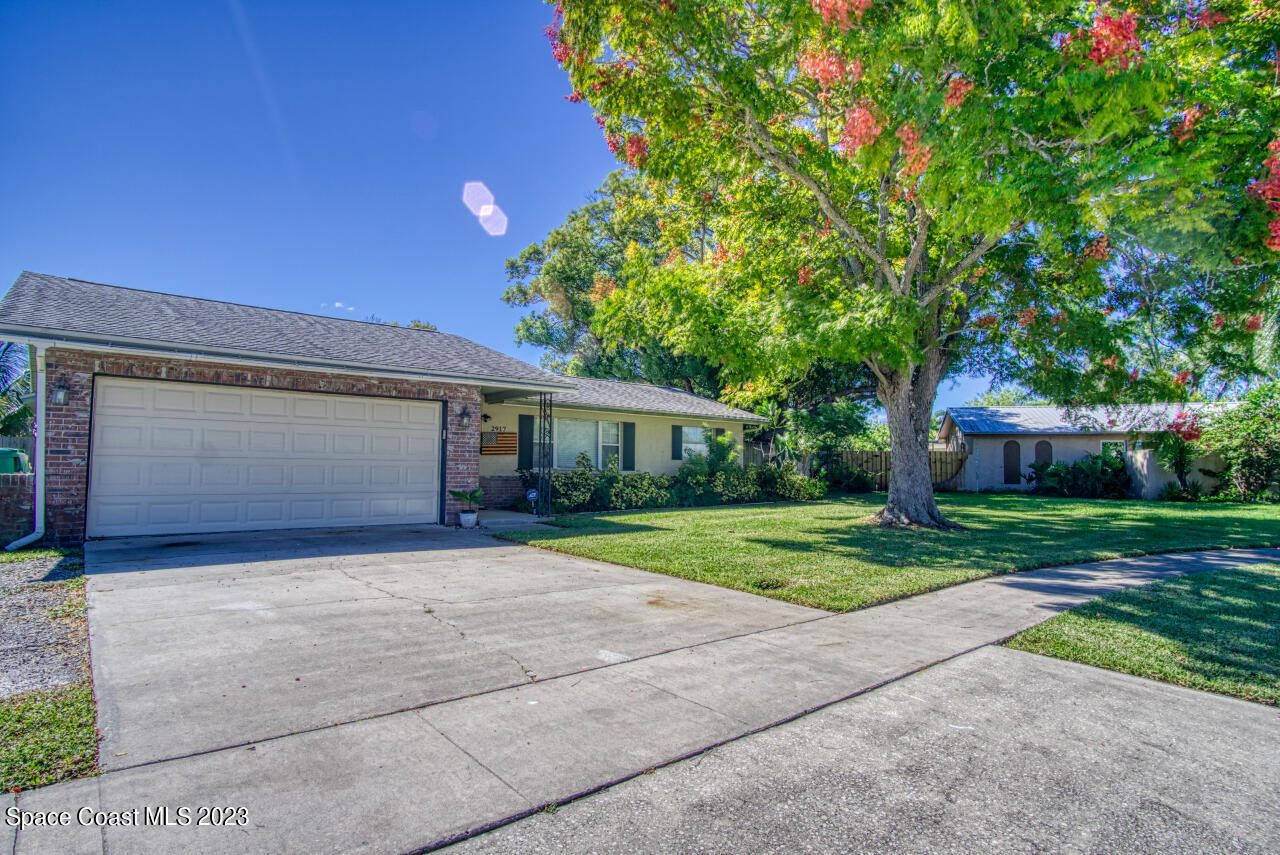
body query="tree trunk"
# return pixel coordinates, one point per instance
(908, 398)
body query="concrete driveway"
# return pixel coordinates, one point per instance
(345, 689)
(212, 641)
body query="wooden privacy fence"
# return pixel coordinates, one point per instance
(944, 466)
(25, 443)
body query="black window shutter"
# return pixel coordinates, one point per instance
(524, 442)
(628, 446)
(719, 432)
(677, 442)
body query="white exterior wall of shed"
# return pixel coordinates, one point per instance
(984, 467)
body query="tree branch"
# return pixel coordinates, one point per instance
(762, 144)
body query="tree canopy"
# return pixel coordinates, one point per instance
(916, 186)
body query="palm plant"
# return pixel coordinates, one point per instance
(15, 382)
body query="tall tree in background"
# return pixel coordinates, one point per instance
(862, 159)
(567, 274)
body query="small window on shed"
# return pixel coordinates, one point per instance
(1044, 451)
(1012, 462)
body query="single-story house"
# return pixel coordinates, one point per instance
(1001, 443)
(164, 414)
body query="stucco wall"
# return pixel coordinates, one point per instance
(984, 468)
(68, 430)
(1149, 477)
(653, 435)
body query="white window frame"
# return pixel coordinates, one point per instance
(599, 461)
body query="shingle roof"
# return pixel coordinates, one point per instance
(1056, 420)
(91, 311)
(645, 398)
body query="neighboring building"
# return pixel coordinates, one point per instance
(1003, 442)
(167, 414)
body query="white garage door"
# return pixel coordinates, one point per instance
(171, 458)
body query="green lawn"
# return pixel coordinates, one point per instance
(48, 736)
(827, 554)
(1217, 632)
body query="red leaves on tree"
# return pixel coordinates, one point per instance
(1209, 18)
(1182, 377)
(1253, 323)
(1133, 375)
(614, 141)
(828, 68)
(840, 13)
(1219, 322)
(987, 322)
(1268, 190)
(1027, 316)
(1182, 133)
(637, 150)
(1110, 362)
(560, 50)
(805, 276)
(915, 153)
(861, 127)
(1114, 41)
(1098, 250)
(1184, 425)
(957, 89)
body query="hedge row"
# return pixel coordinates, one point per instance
(711, 479)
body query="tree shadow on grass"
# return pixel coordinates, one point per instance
(1224, 621)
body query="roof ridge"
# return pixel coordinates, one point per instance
(241, 305)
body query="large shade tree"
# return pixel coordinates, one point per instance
(886, 178)
(564, 276)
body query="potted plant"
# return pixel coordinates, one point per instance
(467, 518)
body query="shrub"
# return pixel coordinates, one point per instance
(641, 490)
(699, 477)
(1248, 440)
(710, 479)
(1178, 446)
(849, 479)
(1173, 492)
(793, 486)
(1095, 476)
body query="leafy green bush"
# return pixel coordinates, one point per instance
(794, 487)
(849, 479)
(701, 479)
(713, 478)
(1095, 476)
(640, 490)
(1174, 492)
(1248, 440)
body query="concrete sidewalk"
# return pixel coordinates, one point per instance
(996, 751)
(424, 777)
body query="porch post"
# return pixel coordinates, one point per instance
(545, 436)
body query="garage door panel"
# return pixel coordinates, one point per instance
(274, 404)
(169, 458)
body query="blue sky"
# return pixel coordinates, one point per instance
(289, 154)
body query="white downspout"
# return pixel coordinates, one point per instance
(38, 369)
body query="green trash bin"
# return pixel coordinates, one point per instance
(14, 460)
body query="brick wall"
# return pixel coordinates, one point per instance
(66, 466)
(16, 496)
(501, 491)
